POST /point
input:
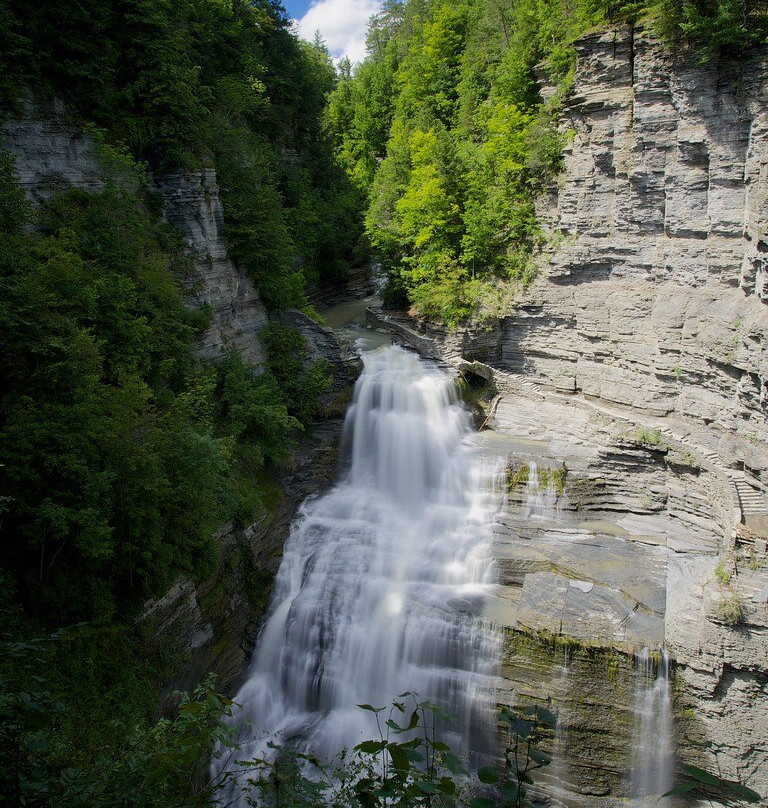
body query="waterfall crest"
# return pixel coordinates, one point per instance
(383, 577)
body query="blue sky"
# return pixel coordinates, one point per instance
(297, 8)
(342, 23)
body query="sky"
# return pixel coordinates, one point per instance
(342, 23)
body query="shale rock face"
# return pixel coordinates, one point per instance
(651, 307)
(191, 203)
(654, 288)
(637, 364)
(51, 154)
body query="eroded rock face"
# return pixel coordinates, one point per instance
(212, 625)
(191, 203)
(653, 292)
(639, 358)
(617, 556)
(51, 154)
(652, 300)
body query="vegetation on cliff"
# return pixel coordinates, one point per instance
(120, 453)
(445, 131)
(192, 83)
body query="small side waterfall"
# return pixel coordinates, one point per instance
(382, 578)
(540, 500)
(559, 766)
(653, 753)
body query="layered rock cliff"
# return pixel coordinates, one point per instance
(655, 289)
(633, 374)
(51, 153)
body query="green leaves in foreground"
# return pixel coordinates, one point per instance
(708, 784)
(406, 766)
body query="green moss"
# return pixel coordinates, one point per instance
(517, 476)
(648, 437)
(555, 477)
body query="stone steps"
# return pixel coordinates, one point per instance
(751, 500)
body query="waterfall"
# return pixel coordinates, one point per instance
(383, 577)
(540, 501)
(653, 752)
(558, 769)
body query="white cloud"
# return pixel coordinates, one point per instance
(342, 25)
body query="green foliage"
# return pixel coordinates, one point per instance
(451, 182)
(301, 381)
(407, 765)
(525, 728)
(58, 750)
(703, 784)
(728, 608)
(713, 27)
(121, 456)
(177, 82)
(443, 130)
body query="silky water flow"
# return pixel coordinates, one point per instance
(653, 752)
(383, 579)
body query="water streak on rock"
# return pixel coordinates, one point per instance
(653, 753)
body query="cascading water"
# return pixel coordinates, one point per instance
(653, 752)
(540, 501)
(558, 770)
(382, 578)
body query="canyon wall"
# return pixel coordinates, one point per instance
(653, 291)
(634, 372)
(650, 306)
(52, 153)
(208, 625)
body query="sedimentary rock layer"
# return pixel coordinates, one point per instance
(652, 292)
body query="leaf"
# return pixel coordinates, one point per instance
(702, 776)
(453, 764)
(394, 726)
(369, 708)
(684, 788)
(546, 717)
(428, 787)
(447, 786)
(482, 802)
(522, 727)
(542, 758)
(509, 792)
(371, 747)
(399, 757)
(488, 775)
(414, 722)
(743, 791)
(413, 755)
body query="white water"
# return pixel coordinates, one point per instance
(382, 577)
(653, 753)
(540, 502)
(559, 772)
